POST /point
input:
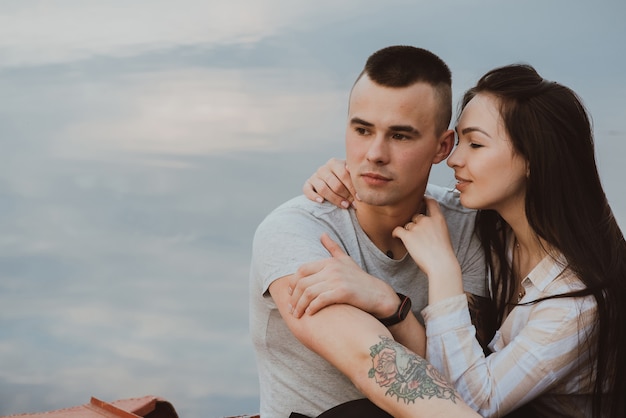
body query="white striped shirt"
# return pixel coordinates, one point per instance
(538, 354)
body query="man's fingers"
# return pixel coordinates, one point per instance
(333, 248)
(298, 280)
(310, 293)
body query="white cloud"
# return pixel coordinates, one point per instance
(38, 32)
(203, 111)
(43, 32)
(118, 279)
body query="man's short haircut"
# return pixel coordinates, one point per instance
(402, 66)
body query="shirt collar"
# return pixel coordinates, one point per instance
(546, 271)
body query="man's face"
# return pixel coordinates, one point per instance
(391, 142)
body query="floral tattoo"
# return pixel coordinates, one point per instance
(407, 375)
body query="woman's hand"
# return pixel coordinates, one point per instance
(339, 279)
(331, 182)
(427, 240)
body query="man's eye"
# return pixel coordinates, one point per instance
(361, 131)
(399, 136)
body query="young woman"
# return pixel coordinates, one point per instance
(525, 160)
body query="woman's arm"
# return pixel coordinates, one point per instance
(427, 240)
(390, 375)
(538, 345)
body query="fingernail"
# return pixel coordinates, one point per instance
(289, 290)
(345, 204)
(290, 309)
(319, 200)
(356, 195)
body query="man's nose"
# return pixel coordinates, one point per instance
(378, 151)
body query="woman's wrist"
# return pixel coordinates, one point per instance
(445, 283)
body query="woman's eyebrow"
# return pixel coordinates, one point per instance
(469, 129)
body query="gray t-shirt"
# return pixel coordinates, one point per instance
(292, 377)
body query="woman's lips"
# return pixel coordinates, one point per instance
(461, 183)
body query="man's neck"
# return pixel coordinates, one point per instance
(378, 222)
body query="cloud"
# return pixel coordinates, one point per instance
(202, 111)
(167, 329)
(39, 32)
(35, 33)
(143, 141)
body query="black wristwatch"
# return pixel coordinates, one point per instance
(398, 316)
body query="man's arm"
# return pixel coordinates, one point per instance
(357, 344)
(339, 280)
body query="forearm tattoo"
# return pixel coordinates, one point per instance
(407, 375)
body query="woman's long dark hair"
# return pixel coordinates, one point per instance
(566, 206)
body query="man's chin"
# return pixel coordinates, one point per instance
(373, 199)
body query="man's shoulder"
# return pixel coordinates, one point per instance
(302, 204)
(449, 199)
(302, 212)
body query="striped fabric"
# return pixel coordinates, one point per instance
(538, 354)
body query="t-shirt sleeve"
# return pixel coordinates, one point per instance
(473, 264)
(286, 239)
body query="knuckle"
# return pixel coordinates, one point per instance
(307, 293)
(321, 300)
(299, 273)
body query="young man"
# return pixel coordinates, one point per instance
(398, 117)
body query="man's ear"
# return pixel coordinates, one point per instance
(446, 143)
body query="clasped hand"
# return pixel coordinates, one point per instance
(338, 279)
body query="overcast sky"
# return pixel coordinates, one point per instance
(143, 141)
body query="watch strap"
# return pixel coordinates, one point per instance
(400, 314)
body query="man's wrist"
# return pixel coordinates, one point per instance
(401, 312)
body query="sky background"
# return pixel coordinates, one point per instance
(141, 142)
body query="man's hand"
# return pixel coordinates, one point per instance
(339, 280)
(331, 182)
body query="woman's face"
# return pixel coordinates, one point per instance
(489, 173)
